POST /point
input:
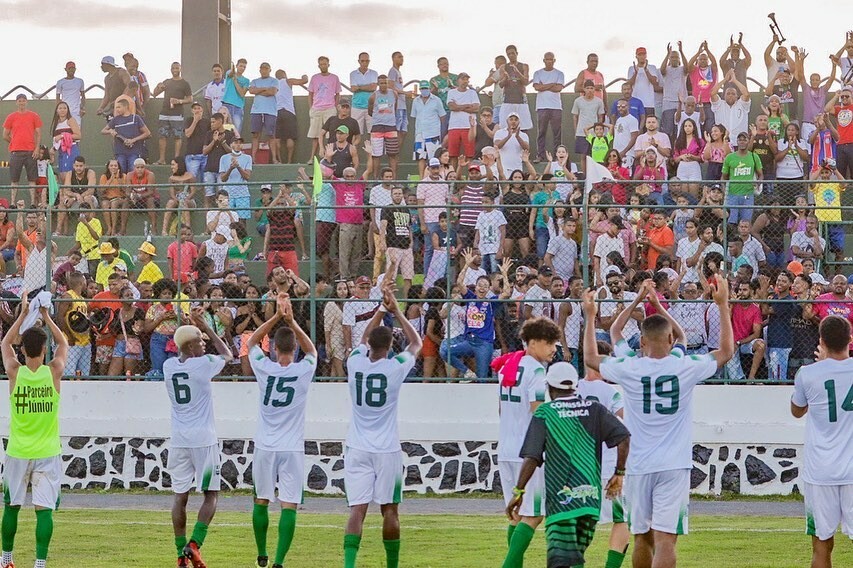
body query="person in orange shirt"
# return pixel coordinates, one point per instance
(658, 240)
(21, 252)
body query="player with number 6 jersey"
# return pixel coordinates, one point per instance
(658, 389)
(194, 448)
(278, 461)
(823, 392)
(373, 460)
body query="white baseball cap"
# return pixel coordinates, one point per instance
(562, 376)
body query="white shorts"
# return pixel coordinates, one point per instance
(43, 474)
(533, 503)
(828, 506)
(278, 470)
(658, 501)
(406, 260)
(370, 477)
(612, 511)
(364, 120)
(195, 464)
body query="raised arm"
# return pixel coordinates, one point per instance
(199, 321)
(10, 360)
(60, 352)
(285, 311)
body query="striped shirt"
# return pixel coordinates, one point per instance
(282, 230)
(472, 197)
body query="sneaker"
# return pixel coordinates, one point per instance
(263, 562)
(192, 553)
(470, 375)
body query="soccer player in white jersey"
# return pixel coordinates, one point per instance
(373, 460)
(280, 439)
(658, 390)
(593, 387)
(824, 390)
(194, 448)
(522, 390)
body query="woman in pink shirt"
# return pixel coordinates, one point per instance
(689, 147)
(649, 171)
(716, 150)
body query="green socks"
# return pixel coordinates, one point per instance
(392, 552)
(521, 538)
(351, 544)
(9, 527)
(286, 528)
(260, 524)
(199, 533)
(614, 559)
(180, 543)
(44, 531)
(509, 530)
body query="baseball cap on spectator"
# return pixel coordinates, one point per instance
(612, 269)
(222, 232)
(743, 135)
(818, 278)
(847, 88)
(716, 187)
(108, 60)
(640, 50)
(21, 96)
(139, 162)
(106, 248)
(362, 280)
(474, 165)
(70, 65)
(434, 163)
(545, 270)
(670, 273)
(196, 104)
(424, 85)
(795, 267)
(850, 279)
(266, 188)
(523, 269)
(344, 102)
(343, 128)
(148, 248)
(589, 83)
(515, 114)
(562, 376)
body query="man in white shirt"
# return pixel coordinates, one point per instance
(808, 243)
(215, 90)
(823, 392)
(194, 448)
(358, 311)
(644, 78)
(690, 315)
(653, 138)
(752, 249)
(611, 241)
(72, 91)
(432, 194)
(537, 300)
(548, 83)
(373, 461)
(658, 389)
(625, 133)
(285, 123)
(511, 142)
(363, 82)
(380, 196)
(732, 111)
(464, 104)
(280, 439)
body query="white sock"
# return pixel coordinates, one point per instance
(7, 559)
(41, 564)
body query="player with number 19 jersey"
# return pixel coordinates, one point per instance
(373, 461)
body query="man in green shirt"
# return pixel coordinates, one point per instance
(742, 167)
(570, 431)
(440, 85)
(33, 452)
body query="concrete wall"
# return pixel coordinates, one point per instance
(116, 434)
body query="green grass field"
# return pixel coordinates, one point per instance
(101, 539)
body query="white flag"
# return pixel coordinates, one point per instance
(595, 173)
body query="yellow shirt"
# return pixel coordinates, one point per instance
(828, 194)
(78, 305)
(150, 273)
(88, 244)
(104, 270)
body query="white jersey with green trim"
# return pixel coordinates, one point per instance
(190, 392)
(826, 387)
(659, 406)
(374, 388)
(282, 398)
(611, 398)
(515, 407)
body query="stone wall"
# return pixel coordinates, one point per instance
(430, 467)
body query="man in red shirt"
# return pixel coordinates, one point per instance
(659, 239)
(835, 302)
(181, 260)
(105, 342)
(747, 327)
(843, 112)
(22, 130)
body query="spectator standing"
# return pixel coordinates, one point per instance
(217, 143)
(471, 202)
(702, 71)
(222, 217)
(611, 241)
(395, 239)
(196, 130)
(841, 105)
(591, 73)
(87, 235)
(658, 240)
(674, 88)
(137, 89)
(644, 78)
(762, 142)
(234, 100)
(181, 256)
(72, 91)
(743, 167)
(79, 361)
(142, 193)
(129, 133)
(731, 60)
(349, 198)
(690, 315)
(22, 131)
(216, 249)
(490, 234)
(115, 83)
(827, 199)
(162, 319)
(653, 139)
(433, 194)
(380, 197)
(515, 76)
(441, 84)
(804, 325)
(635, 105)
(731, 111)
(537, 301)
(149, 271)
(342, 118)
(324, 88)
(626, 129)
(428, 112)
(384, 138)
(341, 153)
(395, 78)
(285, 124)
(235, 169)
(586, 111)
(792, 159)
(752, 249)
(177, 93)
(107, 266)
(787, 88)
(463, 103)
(780, 311)
(363, 82)
(689, 148)
(66, 135)
(358, 311)
(512, 144)
(548, 84)
(264, 109)
(493, 80)
(214, 91)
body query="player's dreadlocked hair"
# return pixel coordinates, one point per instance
(540, 328)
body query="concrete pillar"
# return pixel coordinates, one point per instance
(205, 38)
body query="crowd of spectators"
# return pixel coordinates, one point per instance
(489, 233)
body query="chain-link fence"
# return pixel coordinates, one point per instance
(474, 255)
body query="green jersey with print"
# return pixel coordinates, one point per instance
(599, 146)
(741, 170)
(567, 434)
(34, 420)
(444, 84)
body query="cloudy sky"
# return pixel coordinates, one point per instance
(292, 33)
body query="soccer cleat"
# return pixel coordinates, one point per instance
(192, 553)
(263, 562)
(277, 566)
(182, 562)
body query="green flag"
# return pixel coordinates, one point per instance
(52, 186)
(318, 177)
